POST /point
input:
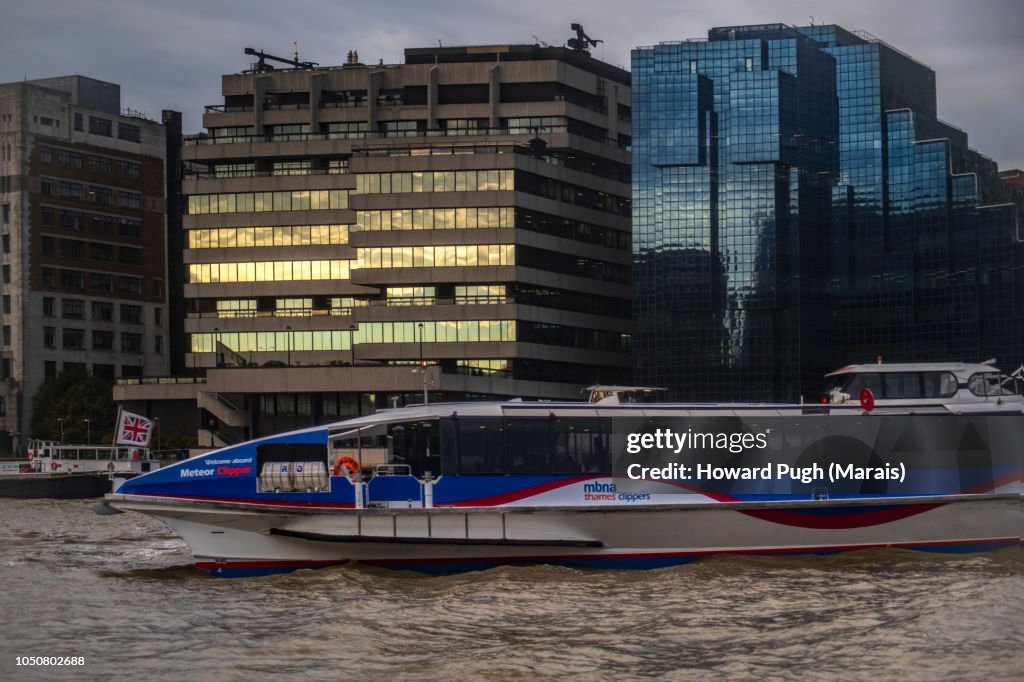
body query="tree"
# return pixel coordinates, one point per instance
(74, 396)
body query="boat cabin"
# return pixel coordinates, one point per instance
(923, 384)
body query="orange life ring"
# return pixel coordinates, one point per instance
(347, 463)
(31, 455)
(110, 466)
(54, 466)
(135, 454)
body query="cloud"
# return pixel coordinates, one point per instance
(171, 55)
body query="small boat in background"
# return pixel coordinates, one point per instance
(55, 470)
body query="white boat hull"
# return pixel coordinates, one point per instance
(239, 539)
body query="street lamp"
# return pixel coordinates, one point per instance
(88, 431)
(423, 364)
(289, 329)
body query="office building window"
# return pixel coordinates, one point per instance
(257, 202)
(129, 132)
(279, 235)
(100, 126)
(102, 340)
(69, 159)
(129, 199)
(129, 169)
(130, 285)
(101, 283)
(129, 255)
(352, 130)
(131, 343)
(102, 311)
(100, 165)
(129, 227)
(72, 308)
(74, 339)
(72, 279)
(131, 314)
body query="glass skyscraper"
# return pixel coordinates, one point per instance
(798, 206)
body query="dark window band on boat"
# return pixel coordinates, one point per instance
(530, 445)
(897, 385)
(290, 452)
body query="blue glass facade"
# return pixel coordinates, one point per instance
(799, 206)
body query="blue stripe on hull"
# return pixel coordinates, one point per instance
(620, 562)
(968, 548)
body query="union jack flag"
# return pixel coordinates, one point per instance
(133, 429)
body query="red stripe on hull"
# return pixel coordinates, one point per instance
(798, 519)
(516, 495)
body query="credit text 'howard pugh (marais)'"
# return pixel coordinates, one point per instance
(770, 472)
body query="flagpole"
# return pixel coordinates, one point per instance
(117, 428)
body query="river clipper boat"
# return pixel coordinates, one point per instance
(921, 456)
(56, 470)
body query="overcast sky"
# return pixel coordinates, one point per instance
(171, 54)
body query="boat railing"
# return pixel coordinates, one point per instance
(50, 450)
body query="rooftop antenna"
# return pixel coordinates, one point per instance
(812, 19)
(295, 44)
(538, 41)
(582, 42)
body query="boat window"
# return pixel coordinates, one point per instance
(290, 452)
(481, 447)
(528, 445)
(939, 385)
(368, 445)
(579, 446)
(989, 384)
(902, 385)
(417, 444)
(858, 382)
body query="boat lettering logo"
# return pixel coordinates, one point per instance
(233, 471)
(606, 492)
(220, 471)
(193, 473)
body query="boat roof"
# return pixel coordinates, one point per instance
(518, 407)
(960, 368)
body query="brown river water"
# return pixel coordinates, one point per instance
(120, 592)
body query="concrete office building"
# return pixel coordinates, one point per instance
(464, 215)
(83, 259)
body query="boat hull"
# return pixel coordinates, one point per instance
(231, 539)
(55, 486)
